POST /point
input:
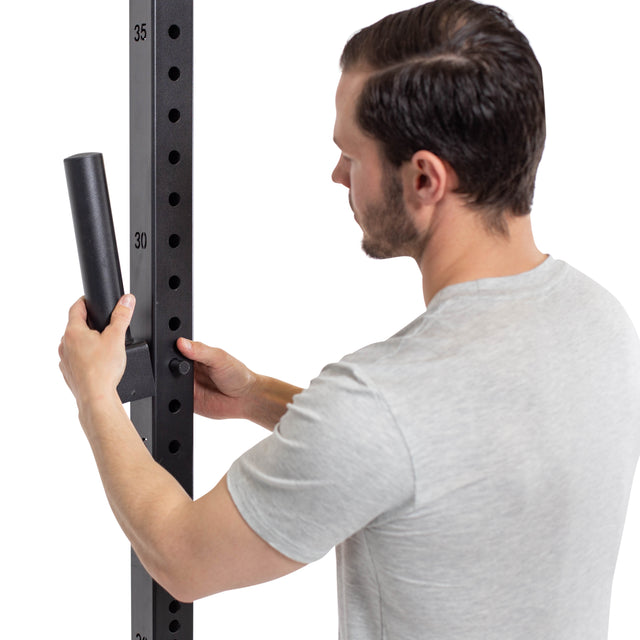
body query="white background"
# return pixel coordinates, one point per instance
(280, 280)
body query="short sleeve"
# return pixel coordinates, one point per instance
(335, 462)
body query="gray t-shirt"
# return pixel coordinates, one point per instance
(473, 470)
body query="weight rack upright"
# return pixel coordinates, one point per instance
(161, 125)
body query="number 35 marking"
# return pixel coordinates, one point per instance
(140, 31)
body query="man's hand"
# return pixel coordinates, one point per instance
(92, 363)
(222, 384)
(226, 388)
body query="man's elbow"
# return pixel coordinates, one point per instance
(182, 576)
(168, 567)
(184, 588)
(178, 591)
(174, 585)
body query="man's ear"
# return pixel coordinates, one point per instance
(427, 179)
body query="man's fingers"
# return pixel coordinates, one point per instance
(78, 311)
(121, 315)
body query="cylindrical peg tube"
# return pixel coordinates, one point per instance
(95, 236)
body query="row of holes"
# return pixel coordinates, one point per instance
(174, 158)
(174, 625)
(174, 607)
(174, 281)
(174, 74)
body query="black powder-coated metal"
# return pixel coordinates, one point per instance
(95, 236)
(137, 381)
(161, 106)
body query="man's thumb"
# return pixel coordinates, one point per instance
(200, 352)
(122, 314)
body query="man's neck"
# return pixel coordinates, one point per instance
(460, 250)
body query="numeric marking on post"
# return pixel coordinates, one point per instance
(140, 32)
(140, 240)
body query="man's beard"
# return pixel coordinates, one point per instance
(389, 230)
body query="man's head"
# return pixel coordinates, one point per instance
(457, 80)
(376, 193)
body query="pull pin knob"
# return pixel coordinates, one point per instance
(179, 367)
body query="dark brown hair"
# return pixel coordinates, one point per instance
(458, 79)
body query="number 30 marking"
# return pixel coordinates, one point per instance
(140, 238)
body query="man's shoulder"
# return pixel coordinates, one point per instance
(415, 346)
(593, 304)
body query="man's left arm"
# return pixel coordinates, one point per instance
(192, 548)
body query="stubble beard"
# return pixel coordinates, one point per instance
(390, 232)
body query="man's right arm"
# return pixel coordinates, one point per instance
(225, 388)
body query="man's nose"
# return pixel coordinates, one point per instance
(340, 175)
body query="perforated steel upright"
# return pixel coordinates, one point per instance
(161, 108)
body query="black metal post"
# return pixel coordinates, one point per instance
(161, 107)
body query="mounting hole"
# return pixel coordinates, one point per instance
(174, 115)
(174, 73)
(175, 606)
(174, 31)
(174, 240)
(174, 157)
(174, 625)
(174, 323)
(174, 199)
(174, 282)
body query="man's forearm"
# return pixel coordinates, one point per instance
(142, 495)
(268, 401)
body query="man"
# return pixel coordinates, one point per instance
(473, 471)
